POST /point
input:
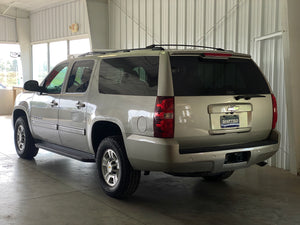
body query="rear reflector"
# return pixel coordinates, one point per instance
(275, 116)
(163, 122)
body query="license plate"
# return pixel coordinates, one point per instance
(229, 121)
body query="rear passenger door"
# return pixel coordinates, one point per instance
(72, 113)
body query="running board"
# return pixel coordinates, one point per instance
(68, 152)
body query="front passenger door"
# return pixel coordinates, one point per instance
(45, 106)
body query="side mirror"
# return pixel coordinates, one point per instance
(32, 85)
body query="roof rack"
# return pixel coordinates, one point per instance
(159, 46)
(153, 47)
(103, 52)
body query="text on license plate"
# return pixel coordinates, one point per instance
(229, 121)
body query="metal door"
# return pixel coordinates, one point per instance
(269, 55)
(45, 106)
(73, 105)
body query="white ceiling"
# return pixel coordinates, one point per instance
(31, 5)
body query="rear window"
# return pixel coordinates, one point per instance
(196, 76)
(129, 76)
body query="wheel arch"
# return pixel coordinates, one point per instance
(18, 112)
(103, 129)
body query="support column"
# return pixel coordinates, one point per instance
(23, 31)
(97, 11)
(292, 78)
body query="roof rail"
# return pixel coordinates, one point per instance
(153, 47)
(99, 52)
(103, 52)
(159, 46)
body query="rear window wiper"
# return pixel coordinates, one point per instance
(248, 97)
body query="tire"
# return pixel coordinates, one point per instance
(24, 142)
(218, 176)
(117, 178)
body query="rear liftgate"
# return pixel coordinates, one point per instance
(231, 118)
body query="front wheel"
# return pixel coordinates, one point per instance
(24, 142)
(218, 176)
(117, 178)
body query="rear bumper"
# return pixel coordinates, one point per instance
(155, 154)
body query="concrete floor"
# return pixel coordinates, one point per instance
(57, 190)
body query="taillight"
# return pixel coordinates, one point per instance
(163, 122)
(275, 116)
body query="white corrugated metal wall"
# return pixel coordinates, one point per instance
(8, 29)
(248, 26)
(53, 23)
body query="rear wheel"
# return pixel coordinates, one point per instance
(117, 178)
(24, 142)
(218, 176)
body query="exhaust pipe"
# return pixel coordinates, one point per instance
(263, 163)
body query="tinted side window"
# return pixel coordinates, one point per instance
(80, 76)
(55, 79)
(195, 76)
(129, 76)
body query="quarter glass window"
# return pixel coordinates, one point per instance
(129, 76)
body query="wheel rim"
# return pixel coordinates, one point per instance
(110, 167)
(21, 138)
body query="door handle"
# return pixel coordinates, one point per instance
(53, 103)
(80, 105)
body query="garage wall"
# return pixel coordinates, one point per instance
(53, 23)
(8, 29)
(248, 26)
(7, 100)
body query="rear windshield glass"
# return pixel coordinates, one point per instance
(195, 76)
(129, 76)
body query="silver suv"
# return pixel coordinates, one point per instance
(184, 112)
